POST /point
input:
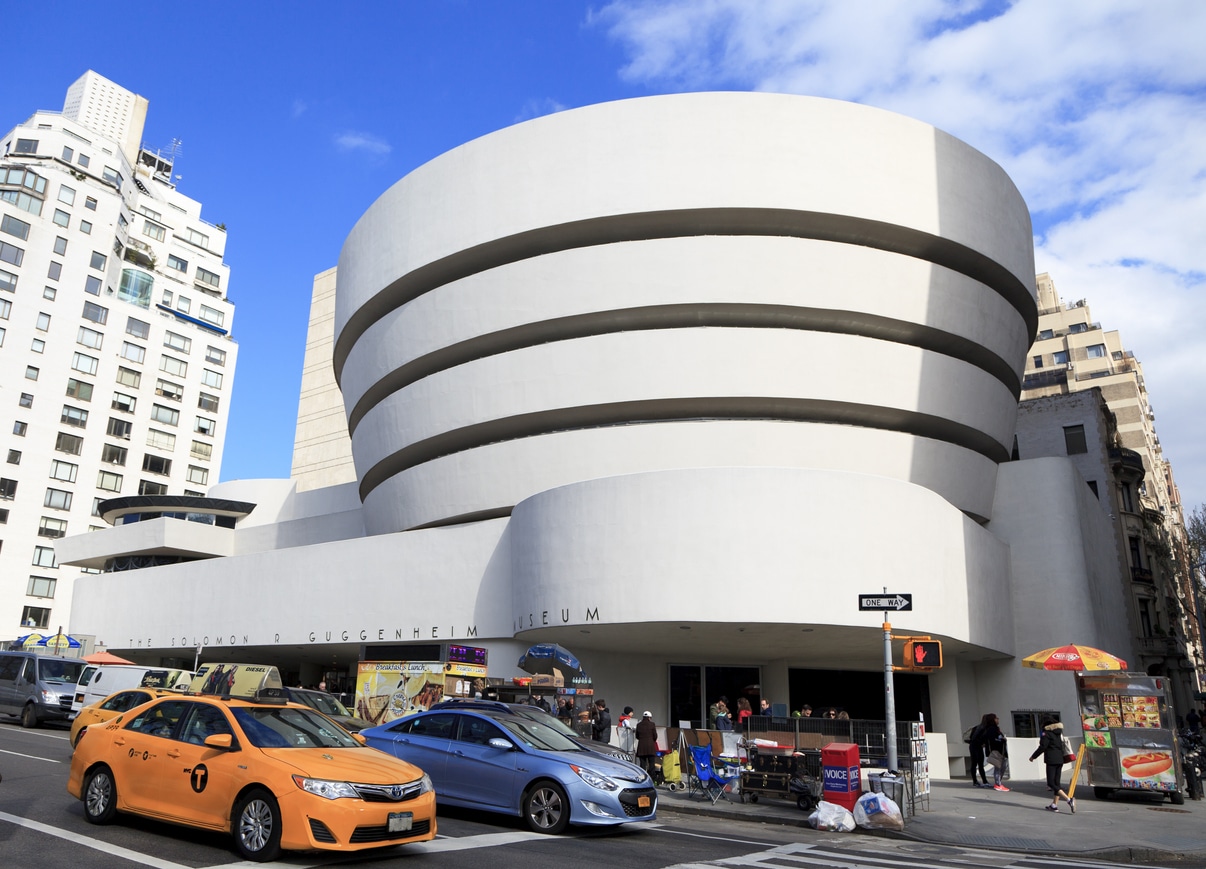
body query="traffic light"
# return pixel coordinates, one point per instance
(923, 655)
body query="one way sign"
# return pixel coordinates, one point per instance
(885, 602)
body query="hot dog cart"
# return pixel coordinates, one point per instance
(1130, 734)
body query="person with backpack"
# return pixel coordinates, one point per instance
(978, 745)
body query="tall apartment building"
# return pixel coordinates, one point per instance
(116, 359)
(1072, 353)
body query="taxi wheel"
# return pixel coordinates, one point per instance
(257, 826)
(100, 796)
(546, 808)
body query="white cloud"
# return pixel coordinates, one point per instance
(1097, 110)
(365, 142)
(299, 108)
(537, 108)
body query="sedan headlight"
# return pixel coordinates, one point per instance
(330, 790)
(425, 785)
(594, 779)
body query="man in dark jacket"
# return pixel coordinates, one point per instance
(600, 726)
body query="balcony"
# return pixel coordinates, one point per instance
(1142, 574)
(1127, 460)
(1160, 647)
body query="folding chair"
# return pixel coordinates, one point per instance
(706, 778)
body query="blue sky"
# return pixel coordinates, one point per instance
(295, 117)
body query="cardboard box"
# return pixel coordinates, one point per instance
(545, 680)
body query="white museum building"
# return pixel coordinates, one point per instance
(671, 382)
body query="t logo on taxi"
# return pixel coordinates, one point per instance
(199, 777)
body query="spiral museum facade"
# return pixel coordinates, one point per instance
(672, 380)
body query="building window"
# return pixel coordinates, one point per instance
(165, 415)
(183, 304)
(6, 308)
(65, 471)
(35, 617)
(54, 271)
(14, 457)
(137, 328)
(20, 428)
(153, 230)
(92, 285)
(18, 228)
(113, 455)
(32, 372)
(200, 239)
(57, 499)
(38, 345)
(8, 488)
(197, 475)
(212, 315)
(26, 146)
(171, 365)
(133, 352)
(70, 444)
(49, 293)
(169, 390)
(8, 281)
(208, 402)
(11, 254)
(202, 450)
(79, 389)
(89, 338)
(86, 227)
(75, 416)
(214, 356)
(61, 218)
(43, 322)
(1028, 724)
(84, 363)
(119, 428)
(1038, 361)
(50, 527)
(90, 202)
(156, 464)
(98, 261)
(177, 342)
(1075, 328)
(95, 313)
(26, 399)
(60, 245)
(1059, 357)
(3, 517)
(205, 426)
(1128, 502)
(122, 402)
(136, 286)
(1095, 351)
(108, 481)
(44, 557)
(176, 263)
(1074, 439)
(211, 378)
(40, 586)
(161, 440)
(146, 487)
(66, 195)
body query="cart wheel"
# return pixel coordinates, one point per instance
(753, 798)
(1176, 798)
(805, 802)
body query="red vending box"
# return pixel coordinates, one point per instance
(843, 775)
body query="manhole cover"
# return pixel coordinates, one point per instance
(1174, 811)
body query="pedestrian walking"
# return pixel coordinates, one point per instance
(1051, 747)
(996, 750)
(600, 725)
(646, 742)
(978, 751)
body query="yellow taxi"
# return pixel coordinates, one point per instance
(232, 755)
(112, 706)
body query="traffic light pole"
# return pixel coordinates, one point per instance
(889, 698)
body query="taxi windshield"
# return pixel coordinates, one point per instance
(538, 735)
(290, 727)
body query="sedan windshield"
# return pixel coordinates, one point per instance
(288, 727)
(534, 734)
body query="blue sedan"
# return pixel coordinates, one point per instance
(498, 761)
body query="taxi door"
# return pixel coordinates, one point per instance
(139, 754)
(202, 781)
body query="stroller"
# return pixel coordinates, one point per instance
(666, 771)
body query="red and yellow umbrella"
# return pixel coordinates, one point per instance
(1073, 657)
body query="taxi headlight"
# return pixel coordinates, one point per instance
(330, 790)
(425, 785)
(594, 779)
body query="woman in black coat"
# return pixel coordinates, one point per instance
(646, 742)
(1051, 747)
(978, 751)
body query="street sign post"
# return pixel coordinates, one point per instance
(898, 602)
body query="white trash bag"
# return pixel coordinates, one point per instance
(831, 816)
(875, 811)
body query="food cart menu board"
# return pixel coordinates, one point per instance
(1126, 719)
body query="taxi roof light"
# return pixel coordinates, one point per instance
(258, 683)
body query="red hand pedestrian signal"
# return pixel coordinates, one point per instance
(923, 655)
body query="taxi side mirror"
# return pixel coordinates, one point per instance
(223, 741)
(359, 738)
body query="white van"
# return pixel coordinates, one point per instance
(37, 687)
(110, 678)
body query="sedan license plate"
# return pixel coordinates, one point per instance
(643, 802)
(400, 822)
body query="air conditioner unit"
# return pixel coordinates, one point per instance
(1069, 366)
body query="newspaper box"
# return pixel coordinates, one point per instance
(842, 774)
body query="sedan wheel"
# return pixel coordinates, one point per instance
(546, 808)
(257, 826)
(100, 796)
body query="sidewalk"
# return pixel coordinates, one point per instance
(1125, 828)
